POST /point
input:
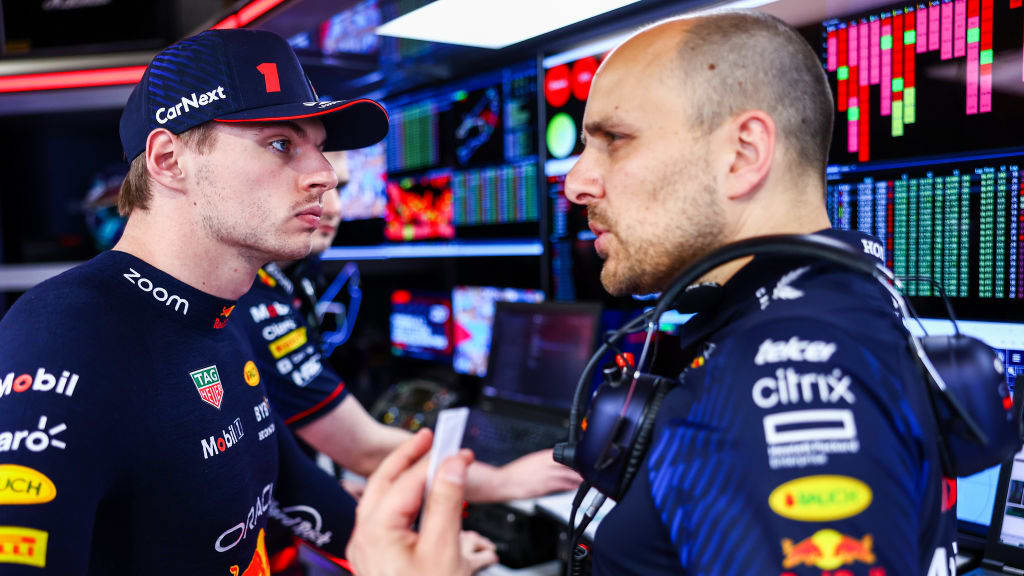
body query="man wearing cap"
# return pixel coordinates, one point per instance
(135, 434)
(281, 322)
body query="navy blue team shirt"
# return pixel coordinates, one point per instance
(799, 441)
(136, 436)
(287, 349)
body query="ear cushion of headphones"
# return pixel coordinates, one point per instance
(643, 438)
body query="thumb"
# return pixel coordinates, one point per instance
(442, 516)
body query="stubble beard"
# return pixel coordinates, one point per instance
(647, 260)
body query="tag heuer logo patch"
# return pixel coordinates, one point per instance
(207, 381)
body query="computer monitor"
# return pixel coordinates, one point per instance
(976, 494)
(921, 157)
(538, 351)
(473, 308)
(421, 325)
(482, 131)
(419, 208)
(364, 197)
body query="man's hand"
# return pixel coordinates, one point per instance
(529, 476)
(383, 544)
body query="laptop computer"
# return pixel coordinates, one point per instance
(538, 351)
(1004, 550)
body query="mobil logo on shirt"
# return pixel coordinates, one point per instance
(261, 312)
(39, 381)
(219, 443)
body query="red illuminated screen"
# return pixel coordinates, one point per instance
(419, 208)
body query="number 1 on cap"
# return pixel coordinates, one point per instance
(269, 71)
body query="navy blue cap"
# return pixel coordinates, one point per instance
(239, 76)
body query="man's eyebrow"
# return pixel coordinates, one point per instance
(297, 128)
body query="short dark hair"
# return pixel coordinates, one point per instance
(744, 60)
(135, 191)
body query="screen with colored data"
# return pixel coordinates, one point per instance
(419, 208)
(473, 308)
(480, 132)
(421, 325)
(924, 155)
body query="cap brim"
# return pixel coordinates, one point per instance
(350, 124)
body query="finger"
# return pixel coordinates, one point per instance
(400, 459)
(474, 542)
(481, 559)
(442, 517)
(405, 495)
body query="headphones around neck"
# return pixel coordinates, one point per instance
(980, 423)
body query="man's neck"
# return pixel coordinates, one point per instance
(188, 256)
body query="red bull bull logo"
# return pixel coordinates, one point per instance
(260, 563)
(827, 549)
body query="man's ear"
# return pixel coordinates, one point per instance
(751, 136)
(163, 155)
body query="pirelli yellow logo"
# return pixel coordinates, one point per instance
(22, 485)
(20, 545)
(288, 343)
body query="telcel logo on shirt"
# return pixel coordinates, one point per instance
(23, 485)
(20, 545)
(821, 498)
(43, 381)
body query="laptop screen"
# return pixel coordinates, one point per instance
(1012, 532)
(538, 351)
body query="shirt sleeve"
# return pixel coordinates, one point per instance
(308, 502)
(58, 456)
(797, 454)
(300, 386)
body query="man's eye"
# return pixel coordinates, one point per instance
(281, 145)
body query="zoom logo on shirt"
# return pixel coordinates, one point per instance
(159, 294)
(42, 381)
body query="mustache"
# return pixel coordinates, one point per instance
(597, 218)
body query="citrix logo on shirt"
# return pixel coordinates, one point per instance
(159, 294)
(790, 387)
(33, 440)
(163, 115)
(42, 381)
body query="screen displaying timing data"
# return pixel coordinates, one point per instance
(976, 494)
(473, 308)
(421, 325)
(482, 133)
(921, 155)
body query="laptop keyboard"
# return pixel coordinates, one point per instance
(497, 439)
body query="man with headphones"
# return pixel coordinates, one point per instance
(801, 438)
